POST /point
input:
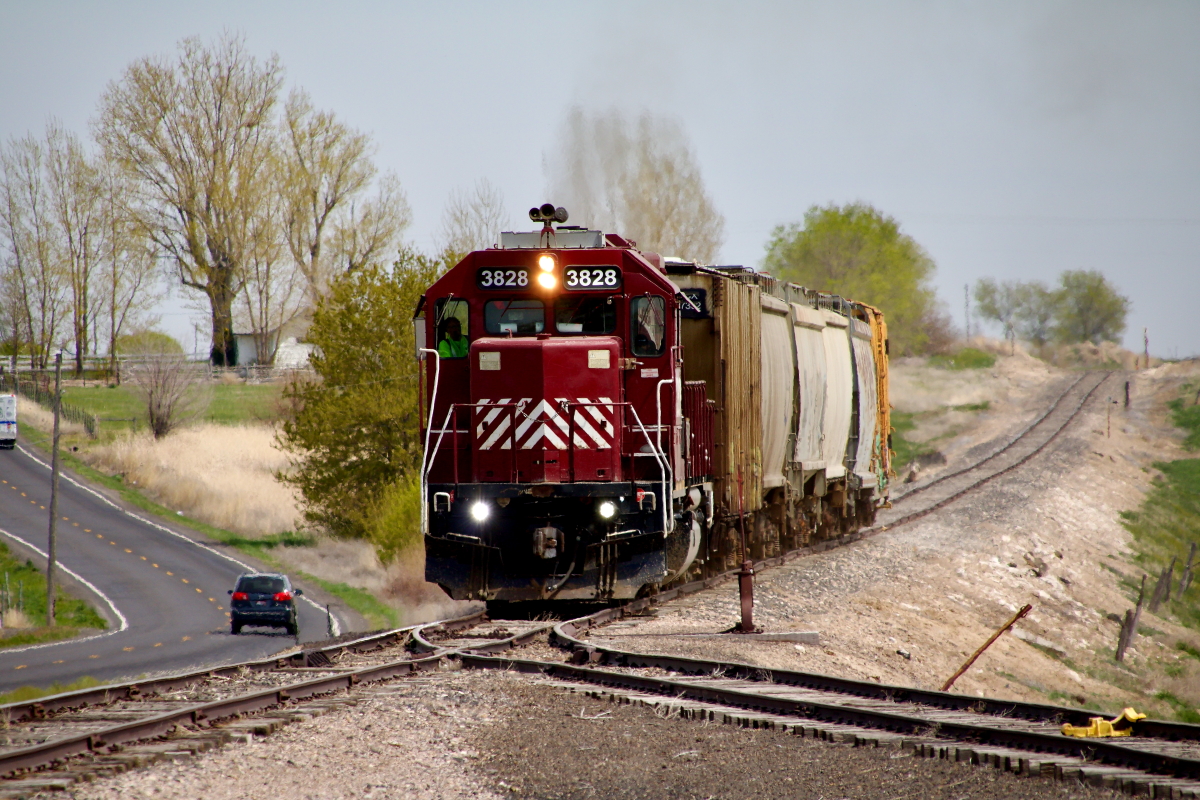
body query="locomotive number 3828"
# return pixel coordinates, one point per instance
(592, 278)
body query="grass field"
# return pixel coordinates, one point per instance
(26, 586)
(230, 404)
(1168, 523)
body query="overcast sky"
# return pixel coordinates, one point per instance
(1012, 140)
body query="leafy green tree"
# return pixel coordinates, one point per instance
(1035, 318)
(1091, 309)
(147, 342)
(355, 431)
(1001, 302)
(860, 253)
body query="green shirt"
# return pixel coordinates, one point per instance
(448, 348)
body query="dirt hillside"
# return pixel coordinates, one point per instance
(908, 606)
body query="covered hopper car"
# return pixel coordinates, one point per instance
(598, 417)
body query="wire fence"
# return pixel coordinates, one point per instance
(35, 387)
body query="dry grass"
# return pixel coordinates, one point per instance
(16, 619)
(220, 474)
(30, 413)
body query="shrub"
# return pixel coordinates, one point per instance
(396, 524)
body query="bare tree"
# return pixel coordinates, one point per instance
(275, 287)
(171, 388)
(327, 169)
(34, 249)
(640, 180)
(197, 135)
(75, 194)
(127, 261)
(473, 219)
(372, 226)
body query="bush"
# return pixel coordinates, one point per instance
(967, 358)
(396, 524)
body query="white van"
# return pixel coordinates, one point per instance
(8, 421)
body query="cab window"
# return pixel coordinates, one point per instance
(585, 314)
(514, 316)
(450, 327)
(647, 319)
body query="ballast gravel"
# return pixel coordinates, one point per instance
(405, 739)
(470, 734)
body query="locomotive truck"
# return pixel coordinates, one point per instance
(600, 419)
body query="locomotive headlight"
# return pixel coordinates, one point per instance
(480, 511)
(547, 280)
(608, 509)
(546, 263)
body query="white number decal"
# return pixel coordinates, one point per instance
(592, 278)
(502, 278)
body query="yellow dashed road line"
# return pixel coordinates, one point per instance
(185, 580)
(127, 550)
(158, 644)
(170, 573)
(126, 649)
(93, 656)
(186, 639)
(22, 666)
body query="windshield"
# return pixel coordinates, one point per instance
(514, 316)
(260, 584)
(585, 314)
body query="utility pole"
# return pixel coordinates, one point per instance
(1146, 344)
(52, 550)
(967, 309)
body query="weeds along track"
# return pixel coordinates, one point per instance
(1027, 444)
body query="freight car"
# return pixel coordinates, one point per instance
(599, 417)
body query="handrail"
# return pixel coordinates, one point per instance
(426, 461)
(665, 471)
(659, 456)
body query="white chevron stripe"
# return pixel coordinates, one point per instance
(582, 424)
(544, 422)
(500, 429)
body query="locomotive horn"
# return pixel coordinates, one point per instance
(547, 210)
(560, 214)
(535, 214)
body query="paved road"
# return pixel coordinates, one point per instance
(164, 592)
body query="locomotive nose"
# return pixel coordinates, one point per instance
(546, 409)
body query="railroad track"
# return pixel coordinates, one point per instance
(1022, 448)
(52, 742)
(56, 741)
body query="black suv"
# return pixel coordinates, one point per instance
(263, 599)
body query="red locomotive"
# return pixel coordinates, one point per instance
(595, 410)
